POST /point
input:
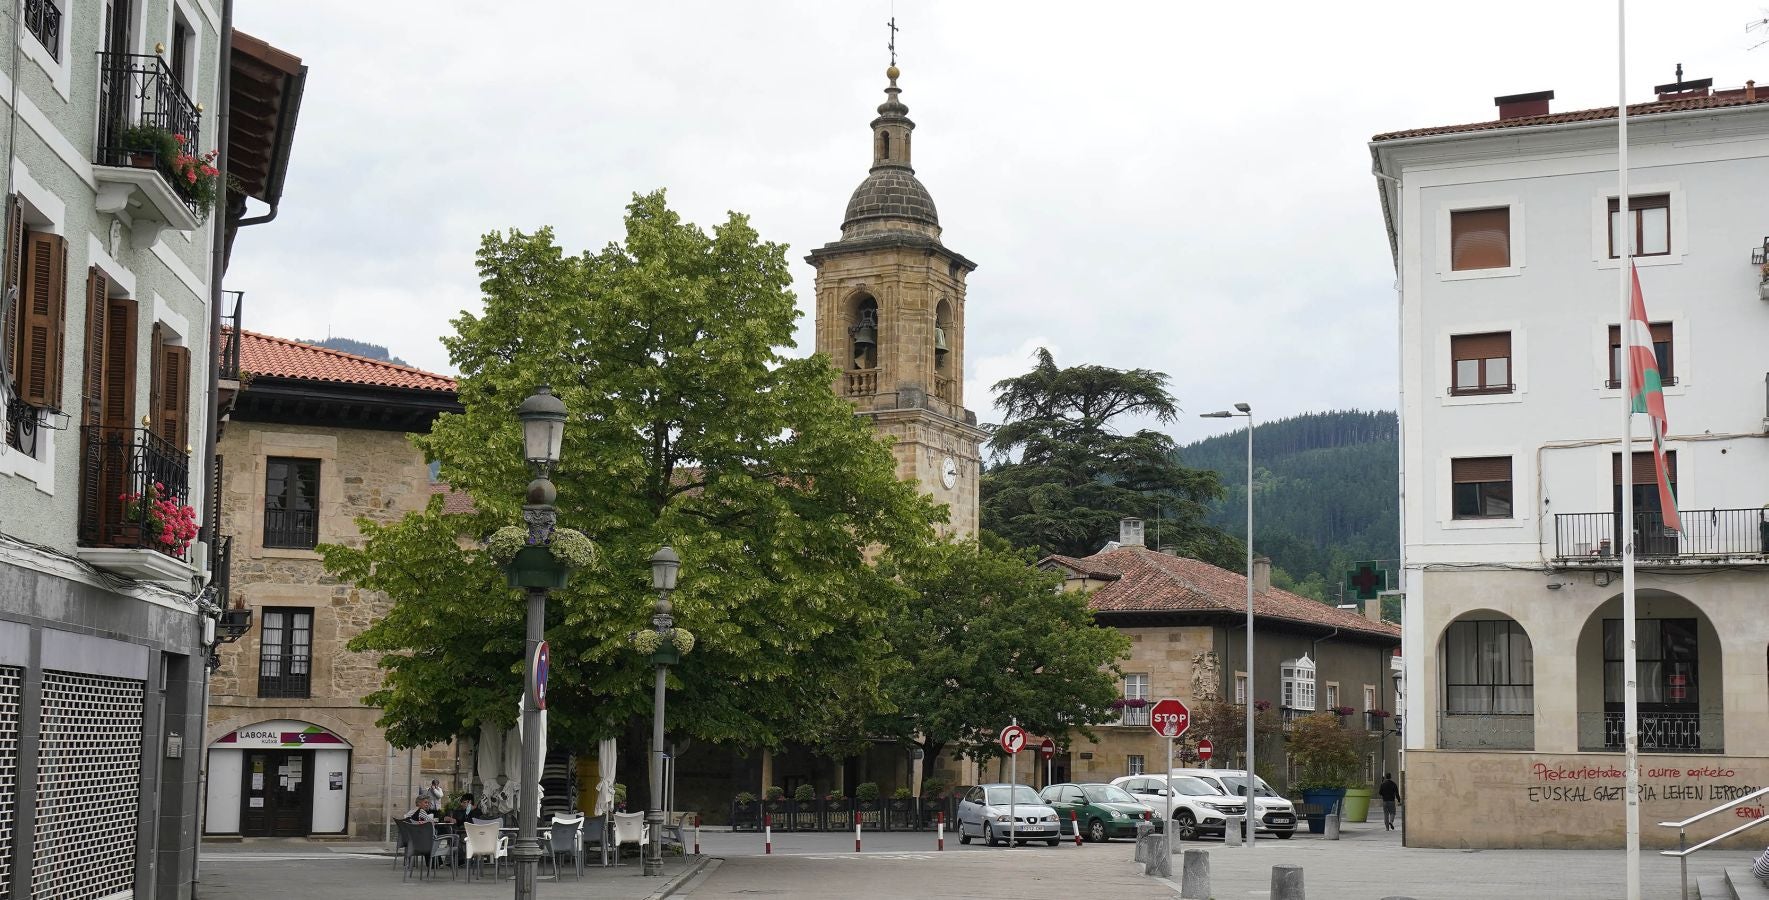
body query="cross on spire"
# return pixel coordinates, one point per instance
(893, 44)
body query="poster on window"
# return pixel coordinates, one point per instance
(336, 781)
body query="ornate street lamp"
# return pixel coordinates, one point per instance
(664, 566)
(1242, 409)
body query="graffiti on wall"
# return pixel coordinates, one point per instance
(1606, 782)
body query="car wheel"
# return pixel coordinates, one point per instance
(1053, 842)
(962, 837)
(988, 835)
(1186, 825)
(1285, 835)
(1096, 831)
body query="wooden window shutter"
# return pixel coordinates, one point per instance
(1480, 469)
(156, 376)
(119, 364)
(1481, 346)
(1661, 332)
(98, 305)
(1643, 470)
(41, 320)
(1480, 238)
(15, 261)
(172, 415)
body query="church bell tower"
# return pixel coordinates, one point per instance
(890, 314)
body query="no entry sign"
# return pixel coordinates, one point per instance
(1013, 739)
(1048, 748)
(1170, 718)
(1205, 749)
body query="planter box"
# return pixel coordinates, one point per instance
(746, 816)
(838, 815)
(870, 813)
(807, 815)
(779, 813)
(1357, 804)
(901, 815)
(1326, 799)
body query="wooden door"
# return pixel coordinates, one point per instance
(277, 793)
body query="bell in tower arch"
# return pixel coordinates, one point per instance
(865, 335)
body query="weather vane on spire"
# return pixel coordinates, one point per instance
(893, 44)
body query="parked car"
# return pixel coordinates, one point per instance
(1276, 815)
(986, 812)
(1101, 811)
(1196, 807)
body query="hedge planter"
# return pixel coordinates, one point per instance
(838, 815)
(746, 815)
(870, 813)
(900, 815)
(807, 815)
(779, 813)
(931, 810)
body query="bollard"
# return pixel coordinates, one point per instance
(696, 834)
(1332, 826)
(1231, 833)
(1194, 883)
(1155, 860)
(940, 831)
(1286, 883)
(767, 833)
(856, 831)
(1076, 824)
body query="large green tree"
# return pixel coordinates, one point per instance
(1061, 475)
(688, 426)
(983, 638)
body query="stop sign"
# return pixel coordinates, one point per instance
(1048, 748)
(1205, 748)
(1170, 718)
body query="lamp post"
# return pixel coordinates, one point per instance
(664, 566)
(1242, 409)
(543, 431)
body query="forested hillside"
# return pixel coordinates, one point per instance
(360, 348)
(1326, 499)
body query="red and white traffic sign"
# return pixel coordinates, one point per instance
(1170, 718)
(1205, 748)
(1048, 748)
(1013, 739)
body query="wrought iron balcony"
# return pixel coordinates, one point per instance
(296, 529)
(123, 472)
(284, 675)
(229, 364)
(25, 423)
(1659, 732)
(1711, 534)
(43, 21)
(140, 101)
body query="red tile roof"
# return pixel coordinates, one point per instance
(453, 502)
(1719, 100)
(1142, 580)
(262, 354)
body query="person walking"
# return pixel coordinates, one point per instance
(1390, 793)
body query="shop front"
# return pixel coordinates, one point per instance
(282, 778)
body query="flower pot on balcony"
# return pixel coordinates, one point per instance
(143, 160)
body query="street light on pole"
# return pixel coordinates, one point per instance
(664, 566)
(543, 432)
(1242, 409)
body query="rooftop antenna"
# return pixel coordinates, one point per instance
(1760, 26)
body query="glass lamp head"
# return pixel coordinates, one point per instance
(664, 566)
(543, 428)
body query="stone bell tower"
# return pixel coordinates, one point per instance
(890, 314)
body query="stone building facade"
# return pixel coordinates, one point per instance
(317, 440)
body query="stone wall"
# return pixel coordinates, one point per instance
(1572, 800)
(1168, 656)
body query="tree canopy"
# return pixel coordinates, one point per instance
(687, 426)
(1061, 476)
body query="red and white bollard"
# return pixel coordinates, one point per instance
(1075, 822)
(856, 831)
(940, 832)
(696, 834)
(767, 833)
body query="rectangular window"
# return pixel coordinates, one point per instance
(1481, 487)
(1665, 661)
(1370, 697)
(1481, 363)
(43, 21)
(1240, 688)
(285, 653)
(1298, 684)
(1489, 668)
(1133, 764)
(291, 503)
(1480, 239)
(1332, 695)
(1648, 228)
(1662, 347)
(1136, 687)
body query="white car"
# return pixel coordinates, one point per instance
(1276, 815)
(1196, 807)
(986, 812)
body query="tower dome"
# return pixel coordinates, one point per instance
(891, 199)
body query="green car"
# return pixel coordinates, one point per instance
(1102, 811)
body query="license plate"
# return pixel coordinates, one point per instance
(1280, 820)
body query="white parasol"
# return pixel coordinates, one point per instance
(605, 770)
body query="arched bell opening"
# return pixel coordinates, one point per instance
(943, 338)
(863, 333)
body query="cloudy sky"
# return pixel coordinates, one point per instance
(1177, 186)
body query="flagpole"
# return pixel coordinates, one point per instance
(1622, 235)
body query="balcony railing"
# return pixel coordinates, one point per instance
(229, 368)
(946, 389)
(1706, 532)
(862, 381)
(117, 463)
(1660, 732)
(281, 675)
(221, 571)
(140, 92)
(291, 528)
(43, 21)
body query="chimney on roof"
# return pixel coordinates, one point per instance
(1261, 574)
(1130, 532)
(1517, 106)
(1373, 609)
(1750, 90)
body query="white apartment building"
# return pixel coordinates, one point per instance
(1504, 235)
(108, 361)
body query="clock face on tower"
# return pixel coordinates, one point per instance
(948, 472)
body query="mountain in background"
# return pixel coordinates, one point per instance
(1328, 495)
(360, 348)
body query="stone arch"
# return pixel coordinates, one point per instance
(945, 339)
(1485, 683)
(1680, 679)
(862, 312)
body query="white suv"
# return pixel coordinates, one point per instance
(1196, 807)
(1276, 815)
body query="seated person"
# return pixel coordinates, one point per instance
(464, 812)
(423, 813)
(1760, 867)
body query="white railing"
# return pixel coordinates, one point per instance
(1684, 851)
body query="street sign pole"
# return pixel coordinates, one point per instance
(1167, 826)
(1013, 781)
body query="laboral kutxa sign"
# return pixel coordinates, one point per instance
(281, 734)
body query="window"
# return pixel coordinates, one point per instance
(1665, 662)
(291, 503)
(1661, 349)
(1298, 676)
(1133, 764)
(1481, 363)
(1136, 687)
(43, 21)
(1489, 668)
(284, 653)
(1649, 227)
(169, 389)
(32, 328)
(1480, 239)
(1481, 487)
(1240, 688)
(182, 38)
(1370, 697)
(1332, 695)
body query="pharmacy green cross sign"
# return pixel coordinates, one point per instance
(1366, 580)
